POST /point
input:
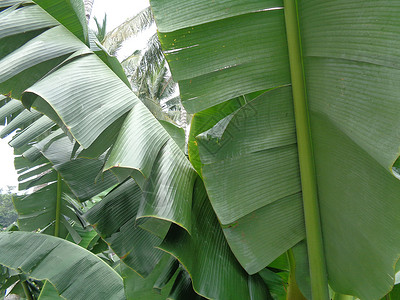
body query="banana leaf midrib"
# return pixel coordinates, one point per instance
(314, 238)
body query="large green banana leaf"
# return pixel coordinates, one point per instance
(352, 98)
(249, 161)
(207, 256)
(46, 209)
(114, 218)
(88, 88)
(148, 151)
(38, 210)
(137, 287)
(75, 272)
(138, 245)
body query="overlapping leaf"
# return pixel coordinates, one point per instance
(88, 88)
(254, 149)
(351, 69)
(140, 288)
(70, 277)
(207, 60)
(207, 257)
(142, 144)
(114, 218)
(38, 210)
(82, 95)
(355, 130)
(70, 13)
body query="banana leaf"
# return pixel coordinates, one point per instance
(64, 264)
(249, 161)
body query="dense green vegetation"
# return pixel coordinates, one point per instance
(8, 215)
(288, 186)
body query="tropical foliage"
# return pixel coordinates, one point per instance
(146, 69)
(7, 212)
(248, 215)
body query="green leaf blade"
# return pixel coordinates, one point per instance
(74, 265)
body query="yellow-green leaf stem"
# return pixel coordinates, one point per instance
(318, 274)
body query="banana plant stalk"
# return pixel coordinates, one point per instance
(319, 283)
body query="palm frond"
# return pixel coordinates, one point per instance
(130, 28)
(150, 63)
(88, 8)
(172, 104)
(168, 86)
(101, 28)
